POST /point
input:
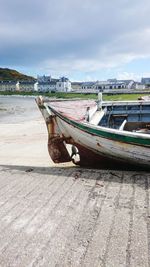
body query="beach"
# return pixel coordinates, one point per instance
(23, 133)
(63, 215)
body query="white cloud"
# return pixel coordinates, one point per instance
(68, 36)
(128, 76)
(132, 76)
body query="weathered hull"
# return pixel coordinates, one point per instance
(99, 151)
(97, 146)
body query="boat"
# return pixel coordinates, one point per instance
(103, 134)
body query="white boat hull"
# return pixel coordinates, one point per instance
(105, 148)
(96, 145)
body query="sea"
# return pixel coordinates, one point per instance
(16, 109)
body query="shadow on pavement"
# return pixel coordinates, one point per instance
(141, 178)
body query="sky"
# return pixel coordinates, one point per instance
(83, 40)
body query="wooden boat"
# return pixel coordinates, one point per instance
(114, 134)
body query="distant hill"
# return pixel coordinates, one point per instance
(13, 75)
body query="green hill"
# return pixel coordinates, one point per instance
(13, 75)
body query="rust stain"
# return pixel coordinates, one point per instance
(57, 150)
(50, 125)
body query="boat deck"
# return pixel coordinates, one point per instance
(53, 216)
(75, 110)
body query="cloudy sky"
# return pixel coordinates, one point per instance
(81, 39)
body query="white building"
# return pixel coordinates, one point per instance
(8, 86)
(106, 85)
(45, 86)
(102, 85)
(128, 83)
(139, 86)
(145, 81)
(63, 85)
(88, 85)
(26, 86)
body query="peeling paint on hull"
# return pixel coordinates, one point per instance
(89, 158)
(97, 146)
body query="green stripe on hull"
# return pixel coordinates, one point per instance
(113, 136)
(108, 135)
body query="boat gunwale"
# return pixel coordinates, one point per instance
(104, 132)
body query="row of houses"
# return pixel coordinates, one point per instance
(61, 85)
(112, 84)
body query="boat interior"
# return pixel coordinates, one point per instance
(125, 116)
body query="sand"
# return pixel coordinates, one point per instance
(23, 134)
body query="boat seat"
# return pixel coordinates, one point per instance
(97, 117)
(122, 125)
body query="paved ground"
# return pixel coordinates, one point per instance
(73, 217)
(65, 216)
